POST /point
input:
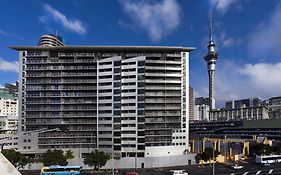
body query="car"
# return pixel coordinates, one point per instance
(267, 164)
(237, 167)
(178, 172)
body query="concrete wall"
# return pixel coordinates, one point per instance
(159, 151)
(151, 162)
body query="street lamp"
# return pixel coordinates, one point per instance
(213, 158)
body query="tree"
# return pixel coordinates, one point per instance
(96, 159)
(260, 148)
(207, 155)
(16, 158)
(56, 157)
(198, 158)
(69, 154)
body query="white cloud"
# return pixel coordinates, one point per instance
(157, 19)
(4, 33)
(7, 66)
(70, 24)
(267, 36)
(250, 80)
(222, 5)
(227, 41)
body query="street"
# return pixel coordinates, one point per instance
(249, 169)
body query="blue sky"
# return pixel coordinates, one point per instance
(247, 34)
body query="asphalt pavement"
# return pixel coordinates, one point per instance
(220, 169)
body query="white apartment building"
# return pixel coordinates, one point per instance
(126, 99)
(8, 120)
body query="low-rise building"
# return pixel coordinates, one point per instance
(242, 113)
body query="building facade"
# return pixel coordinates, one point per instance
(248, 102)
(128, 99)
(201, 109)
(191, 104)
(8, 117)
(274, 107)
(242, 113)
(50, 40)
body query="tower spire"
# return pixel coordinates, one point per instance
(211, 29)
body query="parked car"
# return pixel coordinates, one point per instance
(237, 167)
(267, 164)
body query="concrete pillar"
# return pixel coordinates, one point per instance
(203, 145)
(246, 148)
(215, 145)
(219, 146)
(193, 146)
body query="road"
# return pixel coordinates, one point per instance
(249, 169)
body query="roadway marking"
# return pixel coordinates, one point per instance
(258, 172)
(270, 172)
(245, 173)
(232, 173)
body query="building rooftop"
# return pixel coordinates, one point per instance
(106, 48)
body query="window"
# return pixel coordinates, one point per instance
(117, 77)
(116, 112)
(141, 63)
(140, 70)
(141, 91)
(117, 63)
(140, 112)
(117, 91)
(117, 98)
(117, 70)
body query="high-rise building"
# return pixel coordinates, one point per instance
(132, 99)
(211, 58)
(191, 104)
(201, 109)
(202, 101)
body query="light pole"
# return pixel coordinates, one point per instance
(213, 158)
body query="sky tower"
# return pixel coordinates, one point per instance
(211, 58)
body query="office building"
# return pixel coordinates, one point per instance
(130, 99)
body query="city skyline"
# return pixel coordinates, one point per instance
(246, 36)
